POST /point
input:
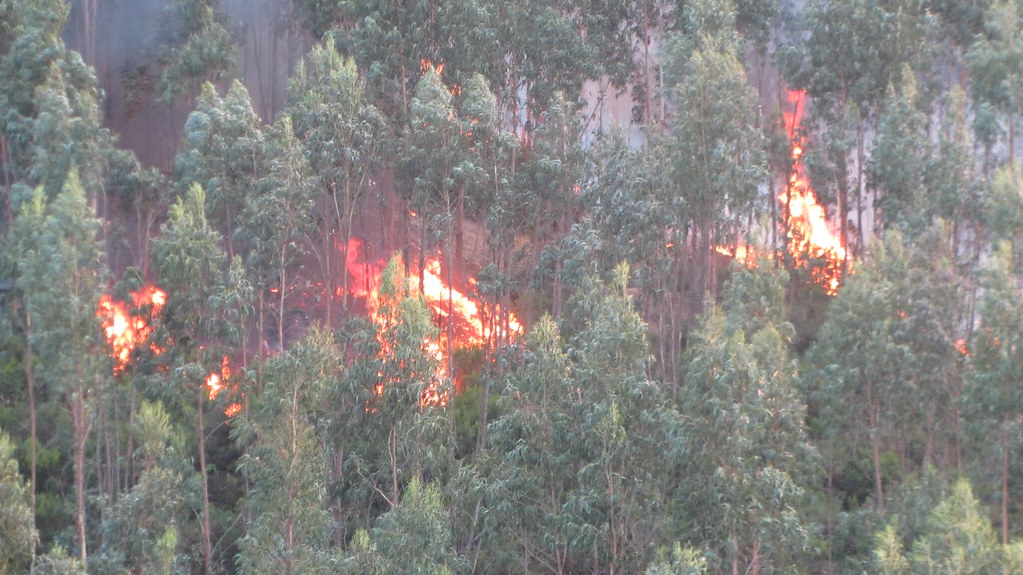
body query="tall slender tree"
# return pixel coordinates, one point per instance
(189, 259)
(62, 293)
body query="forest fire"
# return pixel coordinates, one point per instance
(449, 305)
(127, 328)
(809, 234)
(811, 241)
(217, 382)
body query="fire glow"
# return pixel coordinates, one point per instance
(811, 241)
(129, 328)
(809, 234)
(448, 305)
(126, 329)
(217, 382)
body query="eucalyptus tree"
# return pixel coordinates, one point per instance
(387, 429)
(995, 63)
(413, 537)
(32, 44)
(581, 450)
(222, 151)
(993, 397)
(61, 282)
(288, 529)
(952, 176)
(277, 216)
(432, 150)
(201, 48)
(538, 443)
(142, 530)
(957, 538)
(748, 453)
(857, 365)
(716, 144)
(633, 202)
(853, 51)
(17, 547)
(190, 266)
(344, 137)
(549, 181)
(897, 160)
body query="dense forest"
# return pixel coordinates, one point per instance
(477, 286)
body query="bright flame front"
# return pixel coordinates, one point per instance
(448, 304)
(809, 234)
(127, 328)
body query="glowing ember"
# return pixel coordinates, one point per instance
(126, 328)
(214, 384)
(809, 233)
(217, 382)
(743, 254)
(961, 347)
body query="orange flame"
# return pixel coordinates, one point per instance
(467, 319)
(809, 234)
(809, 231)
(214, 385)
(127, 328)
(217, 382)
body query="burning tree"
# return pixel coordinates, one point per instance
(390, 430)
(190, 262)
(342, 134)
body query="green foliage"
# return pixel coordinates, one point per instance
(222, 152)
(897, 161)
(381, 436)
(57, 562)
(288, 531)
(683, 561)
(202, 48)
(141, 530)
(956, 539)
(748, 454)
(16, 522)
(413, 537)
(995, 60)
(579, 445)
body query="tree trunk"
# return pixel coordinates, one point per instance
(1005, 480)
(262, 341)
(392, 453)
(280, 299)
(30, 382)
(207, 549)
(460, 236)
(81, 431)
(875, 442)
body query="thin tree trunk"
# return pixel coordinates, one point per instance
(1005, 481)
(280, 300)
(207, 549)
(260, 327)
(875, 442)
(392, 452)
(459, 236)
(80, 427)
(30, 382)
